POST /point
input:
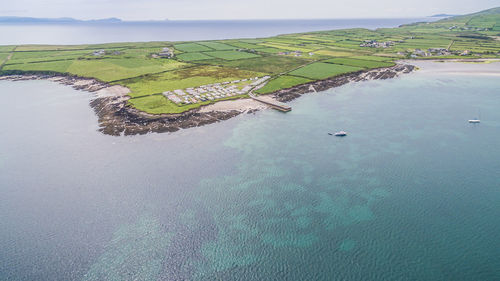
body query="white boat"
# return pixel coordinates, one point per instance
(340, 134)
(475, 121)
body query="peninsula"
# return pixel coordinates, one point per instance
(166, 86)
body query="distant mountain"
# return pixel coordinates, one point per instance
(442, 16)
(53, 20)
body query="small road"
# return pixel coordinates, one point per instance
(7, 58)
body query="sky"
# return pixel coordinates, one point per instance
(239, 9)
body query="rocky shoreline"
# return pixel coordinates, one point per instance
(116, 117)
(286, 95)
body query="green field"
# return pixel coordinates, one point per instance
(282, 82)
(269, 50)
(231, 55)
(217, 46)
(184, 78)
(6, 48)
(359, 63)
(191, 47)
(312, 56)
(243, 45)
(3, 56)
(321, 70)
(267, 64)
(193, 56)
(56, 66)
(159, 104)
(105, 69)
(374, 58)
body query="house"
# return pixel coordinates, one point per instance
(439, 51)
(174, 98)
(99, 53)
(166, 53)
(375, 44)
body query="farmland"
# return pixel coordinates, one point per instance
(184, 78)
(321, 70)
(282, 82)
(359, 62)
(151, 69)
(231, 55)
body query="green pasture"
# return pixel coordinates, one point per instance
(321, 70)
(282, 82)
(217, 46)
(231, 55)
(359, 63)
(55, 66)
(191, 47)
(267, 64)
(184, 78)
(193, 56)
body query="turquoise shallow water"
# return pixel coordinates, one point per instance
(412, 193)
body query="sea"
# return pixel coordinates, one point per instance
(411, 193)
(94, 33)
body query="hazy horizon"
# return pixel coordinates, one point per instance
(147, 10)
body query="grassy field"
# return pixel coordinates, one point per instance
(267, 64)
(193, 56)
(184, 78)
(104, 69)
(359, 63)
(56, 66)
(159, 104)
(321, 70)
(312, 56)
(231, 55)
(374, 58)
(191, 47)
(217, 46)
(3, 56)
(282, 82)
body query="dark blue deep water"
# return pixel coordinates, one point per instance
(412, 193)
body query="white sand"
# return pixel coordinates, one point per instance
(483, 67)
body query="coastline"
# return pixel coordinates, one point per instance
(116, 117)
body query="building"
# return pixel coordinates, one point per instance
(99, 53)
(166, 53)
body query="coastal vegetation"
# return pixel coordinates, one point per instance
(322, 70)
(184, 78)
(282, 82)
(153, 71)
